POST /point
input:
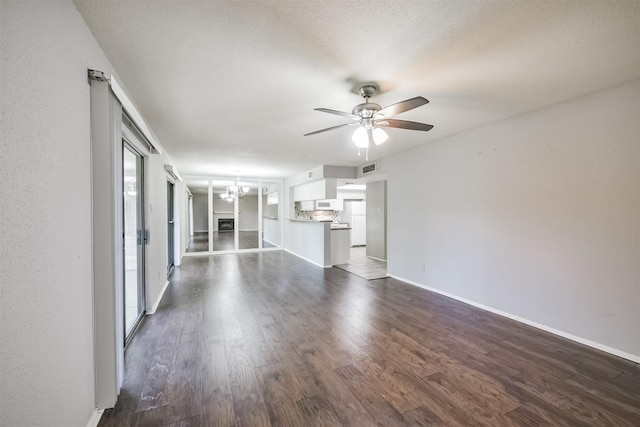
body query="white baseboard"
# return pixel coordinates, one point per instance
(95, 418)
(307, 259)
(271, 243)
(587, 342)
(157, 302)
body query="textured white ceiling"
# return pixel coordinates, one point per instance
(230, 86)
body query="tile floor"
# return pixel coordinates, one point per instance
(363, 266)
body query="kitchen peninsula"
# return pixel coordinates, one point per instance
(318, 242)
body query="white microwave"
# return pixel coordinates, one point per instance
(325, 205)
(329, 205)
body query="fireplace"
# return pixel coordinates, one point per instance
(225, 224)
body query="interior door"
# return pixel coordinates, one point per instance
(134, 238)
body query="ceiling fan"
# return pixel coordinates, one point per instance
(370, 117)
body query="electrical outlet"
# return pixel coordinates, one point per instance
(423, 267)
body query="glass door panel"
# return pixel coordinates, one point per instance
(133, 222)
(223, 215)
(170, 227)
(270, 221)
(198, 238)
(248, 215)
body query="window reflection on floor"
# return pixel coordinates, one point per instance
(224, 241)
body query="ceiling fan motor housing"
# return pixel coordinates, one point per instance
(366, 110)
(367, 91)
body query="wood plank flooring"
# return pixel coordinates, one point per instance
(267, 339)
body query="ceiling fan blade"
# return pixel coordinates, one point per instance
(331, 128)
(403, 124)
(338, 113)
(402, 106)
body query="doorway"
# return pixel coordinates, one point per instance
(134, 238)
(365, 206)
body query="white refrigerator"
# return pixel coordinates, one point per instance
(356, 213)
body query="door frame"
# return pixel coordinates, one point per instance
(171, 225)
(141, 241)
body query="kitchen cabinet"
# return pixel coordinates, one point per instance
(315, 190)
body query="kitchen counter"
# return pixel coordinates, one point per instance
(340, 245)
(317, 242)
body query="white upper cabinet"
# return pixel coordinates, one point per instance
(316, 190)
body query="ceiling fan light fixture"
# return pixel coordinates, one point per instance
(379, 136)
(360, 137)
(245, 189)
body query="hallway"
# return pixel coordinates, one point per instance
(269, 339)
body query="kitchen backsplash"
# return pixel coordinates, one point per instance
(336, 216)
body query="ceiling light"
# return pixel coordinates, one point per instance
(233, 191)
(379, 136)
(360, 137)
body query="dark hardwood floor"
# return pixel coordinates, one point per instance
(269, 339)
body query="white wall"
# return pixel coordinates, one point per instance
(271, 231)
(46, 332)
(46, 315)
(200, 212)
(269, 211)
(156, 221)
(537, 216)
(377, 219)
(248, 213)
(310, 240)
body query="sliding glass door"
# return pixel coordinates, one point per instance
(134, 239)
(232, 215)
(248, 215)
(170, 228)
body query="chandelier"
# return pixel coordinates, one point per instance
(233, 191)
